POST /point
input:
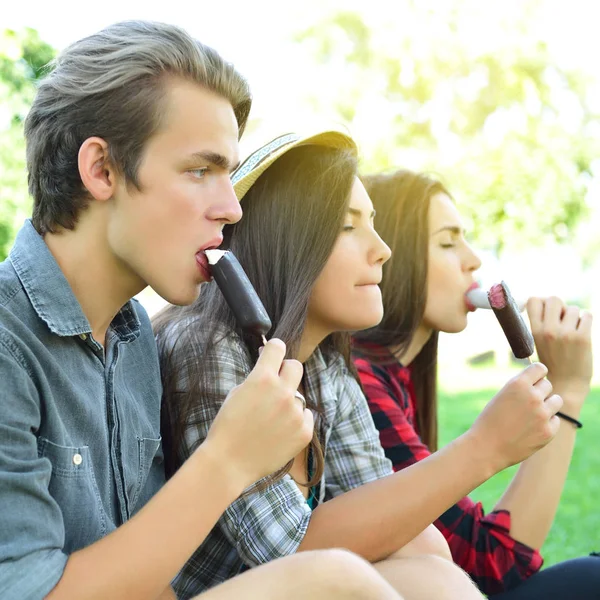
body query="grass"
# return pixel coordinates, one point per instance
(576, 529)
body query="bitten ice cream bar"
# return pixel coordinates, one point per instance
(478, 297)
(238, 292)
(500, 300)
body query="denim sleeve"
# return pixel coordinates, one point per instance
(31, 523)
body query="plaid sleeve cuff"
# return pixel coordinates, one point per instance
(269, 524)
(498, 523)
(482, 546)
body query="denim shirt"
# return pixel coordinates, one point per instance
(80, 448)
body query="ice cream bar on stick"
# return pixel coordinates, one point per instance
(507, 312)
(479, 299)
(239, 293)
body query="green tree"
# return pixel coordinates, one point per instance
(471, 92)
(23, 56)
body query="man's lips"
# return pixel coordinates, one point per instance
(210, 245)
(201, 259)
(203, 266)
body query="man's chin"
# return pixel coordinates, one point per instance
(181, 297)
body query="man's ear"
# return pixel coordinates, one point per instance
(95, 169)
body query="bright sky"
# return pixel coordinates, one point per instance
(254, 35)
(257, 36)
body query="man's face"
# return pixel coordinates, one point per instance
(158, 233)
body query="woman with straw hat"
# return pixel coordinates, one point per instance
(308, 245)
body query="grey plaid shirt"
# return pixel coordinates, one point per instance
(269, 524)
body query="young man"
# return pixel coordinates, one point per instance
(130, 143)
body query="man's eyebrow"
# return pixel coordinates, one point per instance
(455, 229)
(216, 159)
(358, 213)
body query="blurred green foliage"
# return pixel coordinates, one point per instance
(23, 56)
(429, 87)
(426, 85)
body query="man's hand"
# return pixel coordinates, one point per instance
(262, 425)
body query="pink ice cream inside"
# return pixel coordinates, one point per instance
(497, 296)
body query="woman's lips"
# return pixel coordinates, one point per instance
(470, 306)
(479, 298)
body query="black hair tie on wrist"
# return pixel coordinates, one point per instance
(575, 422)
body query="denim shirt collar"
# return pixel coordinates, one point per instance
(50, 293)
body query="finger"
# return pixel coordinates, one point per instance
(570, 319)
(553, 311)
(554, 425)
(585, 322)
(308, 425)
(291, 373)
(306, 429)
(271, 356)
(544, 387)
(534, 372)
(535, 312)
(553, 404)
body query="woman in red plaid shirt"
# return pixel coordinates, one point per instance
(424, 286)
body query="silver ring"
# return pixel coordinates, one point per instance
(302, 399)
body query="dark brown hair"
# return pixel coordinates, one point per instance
(293, 215)
(112, 84)
(401, 200)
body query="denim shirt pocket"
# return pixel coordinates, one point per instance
(150, 452)
(73, 486)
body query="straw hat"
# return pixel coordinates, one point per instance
(260, 160)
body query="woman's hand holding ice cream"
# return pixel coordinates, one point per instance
(563, 339)
(520, 419)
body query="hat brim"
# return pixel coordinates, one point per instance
(258, 162)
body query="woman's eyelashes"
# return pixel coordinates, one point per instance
(451, 239)
(359, 222)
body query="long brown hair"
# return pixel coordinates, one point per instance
(292, 217)
(401, 200)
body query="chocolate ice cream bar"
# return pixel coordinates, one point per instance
(238, 292)
(507, 313)
(479, 299)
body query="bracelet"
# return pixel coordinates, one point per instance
(575, 422)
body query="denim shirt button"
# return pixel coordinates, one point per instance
(77, 459)
(83, 336)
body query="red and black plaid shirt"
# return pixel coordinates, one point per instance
(480, 544)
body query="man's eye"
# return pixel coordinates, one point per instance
(199, 173)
